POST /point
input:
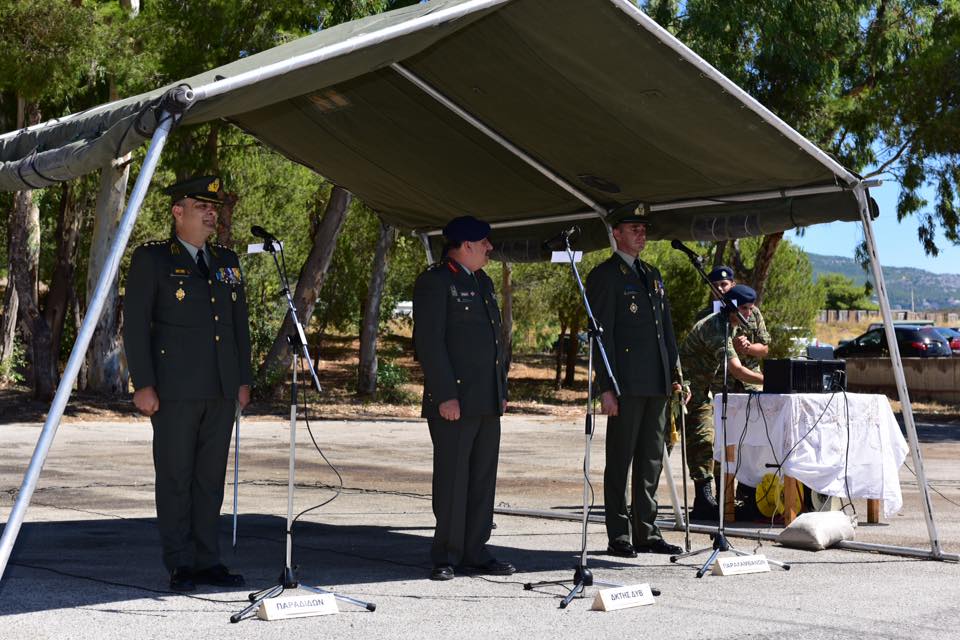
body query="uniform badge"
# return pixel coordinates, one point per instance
(633, 307)
(453, 291)
(180, 295)
(233, 294)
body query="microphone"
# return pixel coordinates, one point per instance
(679, 246)
(559, 241)
(267, 237)
(262, 233)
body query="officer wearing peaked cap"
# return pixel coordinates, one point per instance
(456, 334)
(628, 298)
(187, 340)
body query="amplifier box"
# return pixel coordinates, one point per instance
(794, 375)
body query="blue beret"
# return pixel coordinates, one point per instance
(466, 229)
(740, 295)
(721, 273)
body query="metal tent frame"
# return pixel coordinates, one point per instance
(180, 99)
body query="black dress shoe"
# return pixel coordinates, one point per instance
(495, 567)
(219, 576)
(181, 579)
(621, 549)
(660, 546)
(442, 572)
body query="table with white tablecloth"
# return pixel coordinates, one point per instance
(808, 435)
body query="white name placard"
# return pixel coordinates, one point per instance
(258, 248)
(319, 604)
(738, 565)
(634, 595)
(561, 256)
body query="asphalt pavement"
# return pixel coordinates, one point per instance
(87, 562)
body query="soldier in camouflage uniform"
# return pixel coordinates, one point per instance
(187, 340)
(703, 353)
(456, 335)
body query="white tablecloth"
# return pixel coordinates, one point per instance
(807, 433)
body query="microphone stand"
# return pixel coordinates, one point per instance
(583, 576)
(720, 542)
(298, 346)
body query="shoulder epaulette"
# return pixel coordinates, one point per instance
(154, 243)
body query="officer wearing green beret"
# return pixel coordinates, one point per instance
(187, 341)
(702, 353)
(628, 298)
(456, 335)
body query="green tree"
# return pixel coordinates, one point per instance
(840, 292)
(872, 82)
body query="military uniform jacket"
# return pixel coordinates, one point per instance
(756, 331)
(637, 329)
(186, 335)
(456, 336)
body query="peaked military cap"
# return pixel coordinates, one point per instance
(721, 273)
(631, 212)
(740, 295)
(203, 188)
(466, 229)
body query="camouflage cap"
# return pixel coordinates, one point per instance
(202, 188)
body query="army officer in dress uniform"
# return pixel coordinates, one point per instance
(629, 301)
(456, 334)
(187, 342)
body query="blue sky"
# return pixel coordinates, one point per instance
(897, 243)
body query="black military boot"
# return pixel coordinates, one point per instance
(704, 504)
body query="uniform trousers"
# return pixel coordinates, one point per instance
(465, 456)
(191, 442)
(635, 438)
(700, 436)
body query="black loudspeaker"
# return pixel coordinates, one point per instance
(793, 375)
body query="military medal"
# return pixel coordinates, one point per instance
(633, 307)
(180, 294)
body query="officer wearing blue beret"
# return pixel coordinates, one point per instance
(456, 335)
(187, 340)
(702, 353)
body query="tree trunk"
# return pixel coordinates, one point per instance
(8, 321)
(309, 284)
(24, 230)
(720, 248)
(57, 303)
(367, 373)
(761, 266)
(106, 367)
(572, 352)
(558, 361)
(506, 327)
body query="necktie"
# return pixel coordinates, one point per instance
(202, 264)
(639, 267)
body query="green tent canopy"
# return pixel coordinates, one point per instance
(533, 114)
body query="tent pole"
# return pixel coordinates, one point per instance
(905, 405)
(84, 335)
(431, 91)
(426, 247)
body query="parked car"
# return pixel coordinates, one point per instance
(902, 323)
(914, 342)
(952, 336)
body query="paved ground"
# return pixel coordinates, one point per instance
(87, 562)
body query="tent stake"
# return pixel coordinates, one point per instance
(898, 375)
(84, 335)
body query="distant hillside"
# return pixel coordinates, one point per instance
(932, 291)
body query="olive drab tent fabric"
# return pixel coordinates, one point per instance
(419, 112)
